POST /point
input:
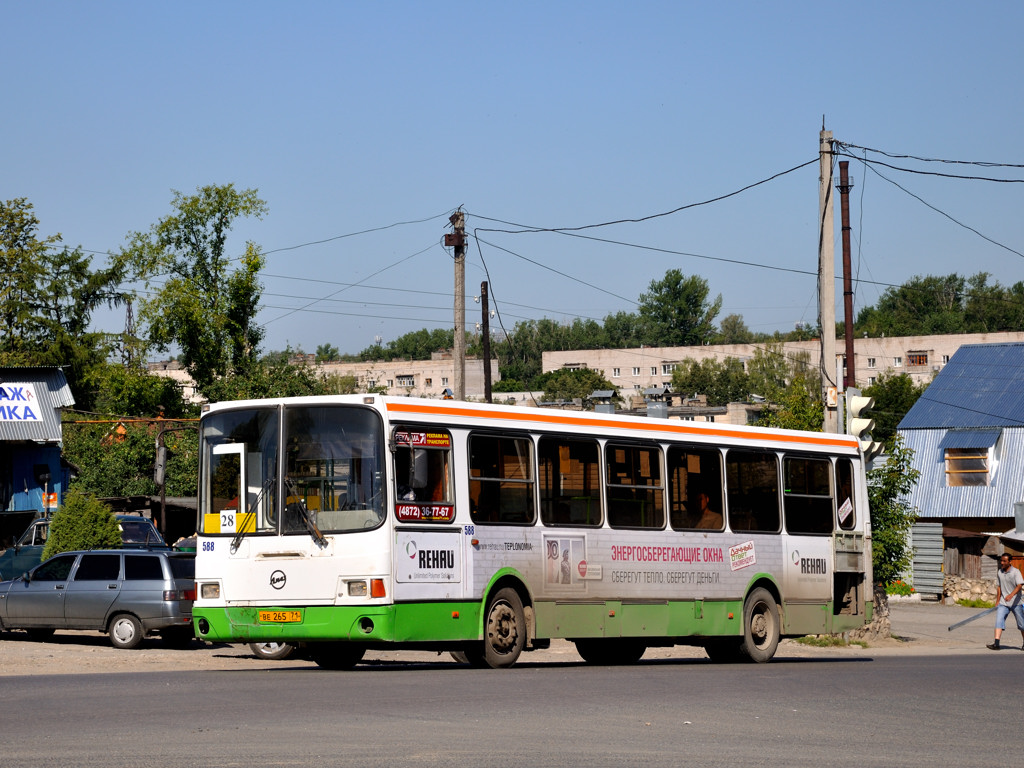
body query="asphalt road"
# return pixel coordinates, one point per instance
(864, 711)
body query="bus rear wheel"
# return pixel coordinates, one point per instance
(761, 626)
(504, 631)
(336, 655)
(610, 651)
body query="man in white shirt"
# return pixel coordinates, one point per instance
(1008, 599)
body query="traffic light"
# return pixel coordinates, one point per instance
(860, 424)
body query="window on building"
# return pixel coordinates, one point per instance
(917, 358)
(897, 362)
(405, 381)
(945, 359)
(871, 362)
(428, 382)
(752, 478)
(872, 380)
(615, 372)
(501, 479)
(391, 383)
(444, 381)
(967, 466)
(633, 486)
(636, 371)
(666, 368)
(654, 370)
(570, 481)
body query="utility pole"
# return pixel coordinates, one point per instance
(485, 329)
(457, 239)
(844, 187)
(826, 283)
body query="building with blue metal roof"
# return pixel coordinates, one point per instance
(967, 434)
(33, 478)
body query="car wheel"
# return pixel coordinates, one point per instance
(125, 631)
(272, 651)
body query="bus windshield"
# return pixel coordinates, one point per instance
(332, 479)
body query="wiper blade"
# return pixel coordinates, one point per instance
(240, 534)
(306, 515)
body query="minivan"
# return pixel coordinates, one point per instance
(125, 593)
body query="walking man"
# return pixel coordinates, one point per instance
(1008, 599)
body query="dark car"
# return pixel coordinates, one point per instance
(136, 531)
(125, 593)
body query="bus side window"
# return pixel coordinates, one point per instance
(808, 495)
(845, 509)
(501, 479)
(695, 488)
(634, 488)
(570, 481)
(752, 480)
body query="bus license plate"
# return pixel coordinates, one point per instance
(280, 617)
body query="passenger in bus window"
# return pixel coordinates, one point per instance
(709, 519)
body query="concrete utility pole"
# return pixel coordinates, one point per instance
(485, 329)
(826, 283)
(458, 240)
(844, 187)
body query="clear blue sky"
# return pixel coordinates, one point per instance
(350, 117)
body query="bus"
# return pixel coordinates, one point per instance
(357, 522)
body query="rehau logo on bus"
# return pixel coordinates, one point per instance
(814, 565)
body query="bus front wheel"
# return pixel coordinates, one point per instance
(760, 626)
(504, 630)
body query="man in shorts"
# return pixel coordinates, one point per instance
(1008, 599)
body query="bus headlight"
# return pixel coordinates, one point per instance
(357, 589)
(209, 591)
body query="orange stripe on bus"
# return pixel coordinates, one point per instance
(546, 417)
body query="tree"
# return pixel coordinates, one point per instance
(204, 307)
(572, 384)
(798, 406)
(116, 458)
(733, 330)
(675, 311)
(83, 522)
(894, 396)
(722, 382)
(892, 517)
(120, 390)
(326, 353)
(921, 306)
(47, 297)
(769, 370)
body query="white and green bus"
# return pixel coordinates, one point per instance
(355, 522)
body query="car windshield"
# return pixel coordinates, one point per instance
(332, 479)
(140, 531)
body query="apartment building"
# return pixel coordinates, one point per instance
(634, 370)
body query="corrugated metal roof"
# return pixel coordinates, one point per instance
(52, 393)
(934, 499)
(980, 386)
(970, 438)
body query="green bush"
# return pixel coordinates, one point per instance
(83, 522)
